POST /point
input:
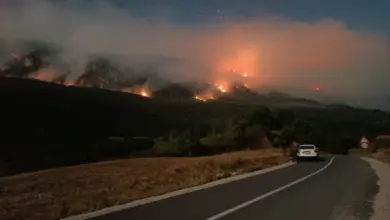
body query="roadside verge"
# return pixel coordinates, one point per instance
(382, 199)
(59, 193)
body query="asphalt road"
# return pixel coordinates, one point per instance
(341, 189)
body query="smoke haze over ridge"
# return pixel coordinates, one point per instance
(348, 65)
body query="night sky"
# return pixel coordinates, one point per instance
(357, 14)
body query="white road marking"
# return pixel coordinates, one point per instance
(233, 209)
(144, 201)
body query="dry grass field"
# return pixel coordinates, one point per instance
(62, 192)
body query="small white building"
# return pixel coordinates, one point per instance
(364, 143)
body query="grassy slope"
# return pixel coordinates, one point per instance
(57, 193)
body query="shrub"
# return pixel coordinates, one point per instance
(221, 142)
(174, 145)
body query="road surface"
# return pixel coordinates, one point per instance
(335, 188)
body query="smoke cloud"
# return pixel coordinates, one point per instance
(297, 56)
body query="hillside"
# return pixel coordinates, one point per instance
(47, 125)
(45, 122)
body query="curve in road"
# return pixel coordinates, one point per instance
(336, 188)
(227, 212)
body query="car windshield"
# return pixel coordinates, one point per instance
(307, 147)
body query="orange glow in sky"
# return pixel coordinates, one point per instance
(317, 88)
(240, 63)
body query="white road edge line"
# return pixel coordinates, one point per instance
(233, 209)
(147, 200)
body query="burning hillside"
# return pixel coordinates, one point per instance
(101, 72)
(145, 77)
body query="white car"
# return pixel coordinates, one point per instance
(309, 151)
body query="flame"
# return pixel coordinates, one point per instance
(138, 91)
(204, 97)
(144, 93)
(44, 75)
(223, 87)
(200, 98)
(232, 70)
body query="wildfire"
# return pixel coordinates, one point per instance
(144, 93)
(138, 91)
(44, 75)
(222, 87)
(204, 97)
(228, 74)
(200, 98)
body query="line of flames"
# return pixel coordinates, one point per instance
(48, 76)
